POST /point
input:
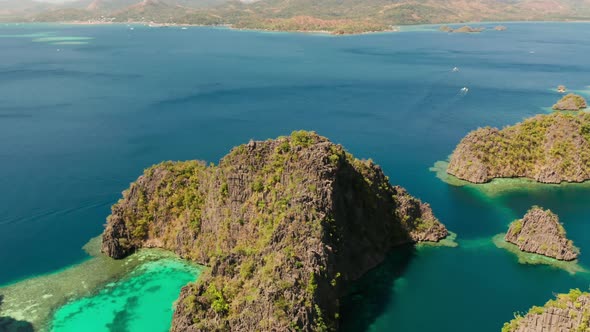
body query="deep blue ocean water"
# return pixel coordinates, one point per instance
(79, 121)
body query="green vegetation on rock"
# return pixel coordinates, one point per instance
(312, 24)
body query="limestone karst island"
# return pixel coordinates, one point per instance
(283, 225)
(294, 165)
(552, 148)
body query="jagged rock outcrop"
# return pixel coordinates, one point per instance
(551, 148)
(283, 225)
(540, 232)
(570, 102)
(568, 312)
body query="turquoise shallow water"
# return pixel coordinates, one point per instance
(140, 302)
(79, 121)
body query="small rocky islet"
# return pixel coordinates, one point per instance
(570, 102)
(463, 29)
(540, 232)
(283, 225)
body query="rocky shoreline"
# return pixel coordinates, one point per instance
(567, 312)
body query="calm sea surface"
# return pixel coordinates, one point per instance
(84, 109)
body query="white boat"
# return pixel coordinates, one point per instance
(184, 28)
(464, 90)
(455, 70)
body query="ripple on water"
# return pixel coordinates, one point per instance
(70, 43)
(61, 39)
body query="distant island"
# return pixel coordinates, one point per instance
(283, 225)
(540, 232)
(551, 148)
(570, 102)
(463, 29)
(330, 16)
(567, 312)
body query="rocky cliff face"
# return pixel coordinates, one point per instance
(570, 102)
(540, 232)
(283, 225)
(568, 312)
(547, 148)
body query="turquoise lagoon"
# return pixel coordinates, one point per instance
(83, 109)
(142, 301)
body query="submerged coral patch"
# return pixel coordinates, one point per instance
(30, 35)
(500, 185)
(440, 169)
(477, 244)
(449, 241)
(52, 38)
